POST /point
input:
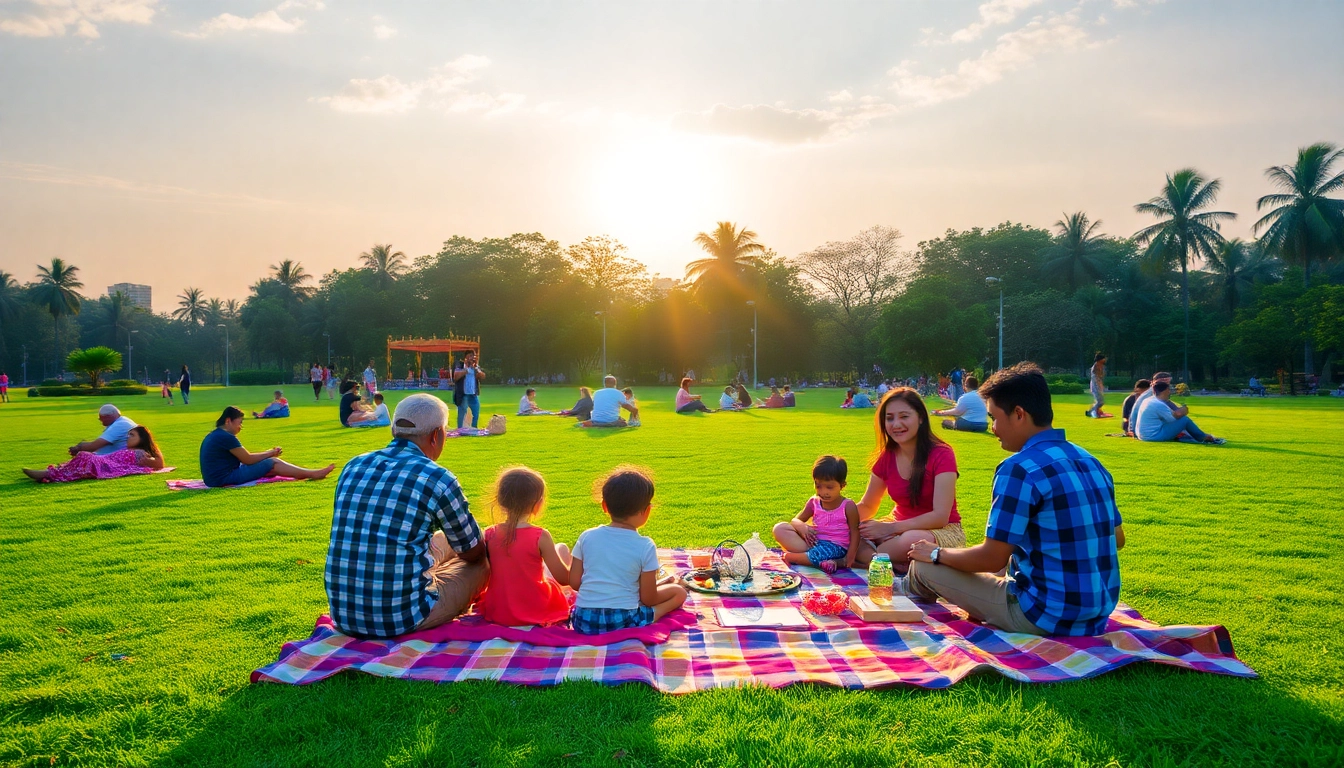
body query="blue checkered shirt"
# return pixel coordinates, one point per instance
(1055, 504)
(388, 505)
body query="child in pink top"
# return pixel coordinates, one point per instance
(831, 540)
(527, 568)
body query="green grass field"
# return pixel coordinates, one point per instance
(201, 588)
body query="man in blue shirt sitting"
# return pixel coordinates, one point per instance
(1052, 523)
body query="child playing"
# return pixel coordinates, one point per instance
(378, 417)
(630, 395)
(614, 569)
(527, 406)
(527, 568)
(832, 539)
(278, 408)
(167, 390)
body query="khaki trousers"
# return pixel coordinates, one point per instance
(458, 583)
(984, 596)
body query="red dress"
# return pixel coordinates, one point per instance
(520, 592)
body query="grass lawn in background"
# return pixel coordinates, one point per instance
(199, 588)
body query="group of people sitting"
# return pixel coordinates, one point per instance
(1149, 414)
(735, 397)
(124, 448)
(406, 554)
(593, 409)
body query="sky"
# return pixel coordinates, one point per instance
(197, 143)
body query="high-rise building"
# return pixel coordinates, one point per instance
(138, 294)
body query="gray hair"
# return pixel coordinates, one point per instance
(109, 410)
(609, 381)
(418, 415)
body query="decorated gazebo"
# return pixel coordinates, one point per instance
(421, 346)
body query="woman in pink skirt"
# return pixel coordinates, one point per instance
(139, 457)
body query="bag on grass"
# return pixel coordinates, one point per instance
(498, 424)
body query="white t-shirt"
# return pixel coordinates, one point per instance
(607, 404)
(524, 406)
(972, 408)
(370, 377)
(315, 375)
(1153, 414)
(380, 413)
(613, 559)
(727, 401)
(115, 435)
(1134, 414)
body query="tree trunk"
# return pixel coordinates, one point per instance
(1308, 350)
(1185, 307)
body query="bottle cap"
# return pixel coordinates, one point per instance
(883, 556)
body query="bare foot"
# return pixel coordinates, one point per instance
(318, 474)
(36, 474)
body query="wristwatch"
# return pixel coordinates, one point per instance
(933, 556)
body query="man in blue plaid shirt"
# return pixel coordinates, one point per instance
(405, 552)
(1053, 524)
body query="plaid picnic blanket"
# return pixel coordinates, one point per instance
(839, 650)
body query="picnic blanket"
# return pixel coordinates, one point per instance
(466, 432)
(839, 650)
(199, 485)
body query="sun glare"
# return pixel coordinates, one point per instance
(656, 185)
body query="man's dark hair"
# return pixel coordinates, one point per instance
(627, 491)
(830, 467)
(971, 381)
(1021, 385)
(1160, 387)
(346, 386)
(1161, 375)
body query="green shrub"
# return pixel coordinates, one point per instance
(84, 391)
(1066, 388)
(1119, 382)
(124, 383)
(94, 362)
(1063, 378)
(258, 377)
(52, 383)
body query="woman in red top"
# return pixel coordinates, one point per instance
(527, 568)
(919, 472)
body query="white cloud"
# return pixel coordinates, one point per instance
(384, 32)
(445, 88)
(301, 5)
(53, 18)
(50, 174)
(840, 97)
(779, 125)
(1013, 51)
(993, 13)
(265, 21)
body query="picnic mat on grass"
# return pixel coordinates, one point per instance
(199, 485)
(839, 650)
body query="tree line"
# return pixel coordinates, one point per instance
(1177, 295)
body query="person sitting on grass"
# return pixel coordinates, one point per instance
(1053, 527)
(607, 405)
(527, 406)
(527, 566)
(140, 456)
(630, 395)
(849, 398)
(1136, 417)
(224, 460)
(743, 397)
(970, 414)
(775, 400)
(825, 534)
(583, 409)
(405, 552)
(614, 569)
(728, 400)
(1159, 423)
(350, 404)
(687, 402)
(278, 408)
(113, 438)
(860, 399)
(378, 417)
(1127, 408)
(790, 400)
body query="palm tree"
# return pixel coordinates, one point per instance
(191, 307)
(231, 309)
(9, 296)
(718, 278)
(1303, 224)
(1237, 264)
(118, 311)
(1075, 249)
(214, 312)
(291, 274)
(1184, 233)
(57, 292)
(94, 362)
(384, 263)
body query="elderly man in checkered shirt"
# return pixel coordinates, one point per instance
(1053, 525)
(405, 552)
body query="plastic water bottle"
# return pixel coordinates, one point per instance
(880, 577)
(756, 548)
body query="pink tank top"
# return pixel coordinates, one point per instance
(831, 523)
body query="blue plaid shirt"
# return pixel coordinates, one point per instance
(1055, 504)
(388, 505)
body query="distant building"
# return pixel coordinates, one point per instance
(138, 294)
(664, 285)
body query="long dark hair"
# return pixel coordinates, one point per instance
(147, 441)
(925, 440)
(229, 413)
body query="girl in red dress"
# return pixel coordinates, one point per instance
(527, 568)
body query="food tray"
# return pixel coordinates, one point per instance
(761, 583)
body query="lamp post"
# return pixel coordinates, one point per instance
(996, 281)
(226, 352)
(25, 364)
(604, 340)
(328, 335)
(130, 354)
(755, 347)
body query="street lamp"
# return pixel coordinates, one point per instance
(25, 364)
(604, 340)
(130, 354)
(755, 347)
(997, 281)
(226, 352)
(328, 335)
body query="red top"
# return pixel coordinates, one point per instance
(941, 459)
(520, 591)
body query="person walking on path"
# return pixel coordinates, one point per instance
(1053, 527)
(1098, 388)
(405, 552)
(315, 378)
(184, 385)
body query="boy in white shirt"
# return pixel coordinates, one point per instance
(378, 417)
(615, 570)
(728, 400)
